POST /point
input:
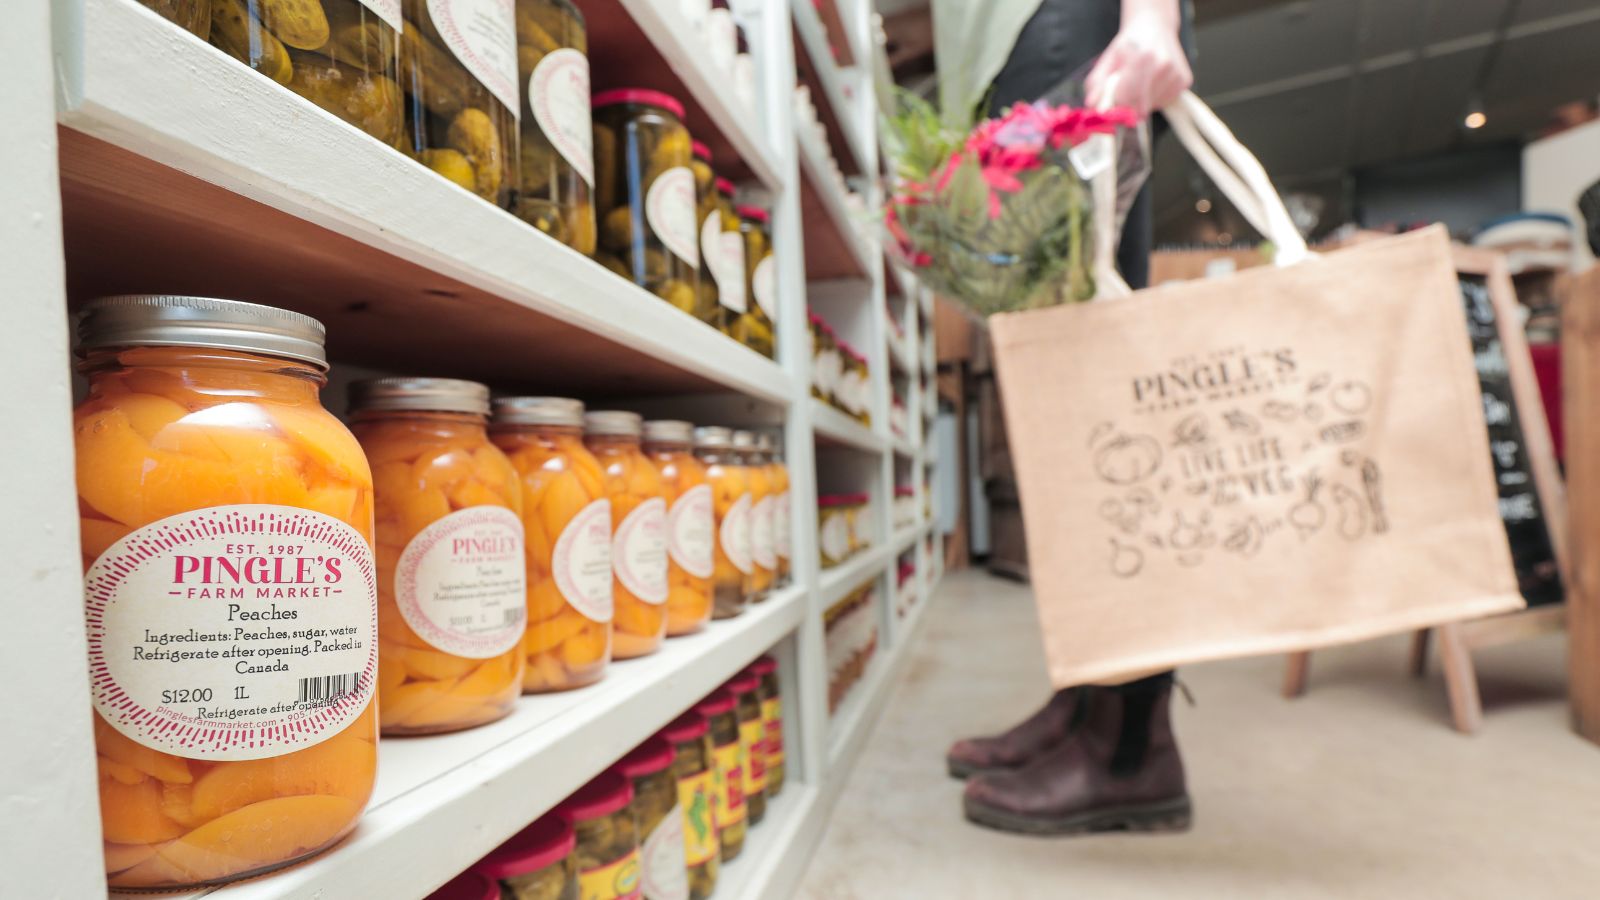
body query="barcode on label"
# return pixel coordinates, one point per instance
(514, 615)
(328, 687)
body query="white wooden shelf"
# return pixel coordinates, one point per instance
(903, 447)
(834, 583)
(822, 75)
(835, 246)
(834, 427)
(852, 724)
(444, 801)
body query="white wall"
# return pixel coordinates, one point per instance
(1555, 170)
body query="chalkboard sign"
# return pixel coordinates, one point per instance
(1518, 435)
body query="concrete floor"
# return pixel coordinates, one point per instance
(1357, 790)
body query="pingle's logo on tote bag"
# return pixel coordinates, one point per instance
(1219, 375)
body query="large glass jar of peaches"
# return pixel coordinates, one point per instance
(691, 524)
(452, 595)
(225, 516)
(639, 533)
(732, 567)
(566, 520)
(763, 555)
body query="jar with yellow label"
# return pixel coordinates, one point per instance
(708, 220)
(691, 524)
(639, 533)
(214, 489)
(452, 594)
(557, 143)
(727, 780)
(342, 55)
(754, 328)
(663, 874)
(191, 15)
(693, 765)
(458, 66)
(730, 492)
(644, 193)
(727, 264)
(566, 520)
(601, 813)
(782, 525)
(763, 554)
(766, 668)
(752, 743)
(537, 863)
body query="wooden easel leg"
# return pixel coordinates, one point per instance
(1419, 652)
(1461, 679)
(1297, 667)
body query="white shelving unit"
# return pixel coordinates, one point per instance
(142, 159)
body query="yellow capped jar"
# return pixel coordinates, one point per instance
(733, 568)
(639, 533)
(452, 582)
(557, 146)
(221, 507)
(691, 524)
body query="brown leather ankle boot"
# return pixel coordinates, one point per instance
(1118, 771)
(1024, 741)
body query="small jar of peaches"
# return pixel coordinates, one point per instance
(566, 519)
(639, 533)
(733, 568)
(691, 524)
(452, 595)
(224, 512)
(763, 553)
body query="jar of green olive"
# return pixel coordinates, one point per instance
(458, 66)
(191, 15)
(752, 742)
(557, 153)
(644, 193)
(471, 885)
(766, 669)
(708, 307)
(601, 812)
(694, 767)
(538, 863)
(663, 874)
(727, 779)
(754, 328)
(727, 264)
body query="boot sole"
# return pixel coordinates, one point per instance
(1164, 816)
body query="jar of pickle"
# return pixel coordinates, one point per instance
(191, 15)
(727, 263)
(566, 520)
(708, 307)
(452, 586)
(644, 193)
(825, 362)
(537, 863)
(342, 55)
(763, 555)
(727, 779)
(754, 328)
(213, 488)
(766, 669)
(470, 885)
(852, 392)
(863, 524)
(691, 524)
(663, 874)
(601, 813)
(639, 533)
(732, 567)
(752, 742)
(555, 193)
(693, 765)
(833, 529)
(458, 65)
(782, 525)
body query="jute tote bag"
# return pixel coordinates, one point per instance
(1286, 458)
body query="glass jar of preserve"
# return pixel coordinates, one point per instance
(213, 489)
(644, 193)
(601, 812)
(852, 392)
(555, 193)
(833, 529)
(732, 566)
(727, 779)
(191, 15)
(822, 376)
(863, 522)
(693, 765)
(662, 871)
(566, 522)
(752, 742)
(342, 55)
(708, 307)
(754, 328)
(691, 524)
(766, 668)
(470, 885)
(763, 554)
(452, 594)
(727, 263)
(458, 65)
(782, 526)
(537, 863)
(639, 533)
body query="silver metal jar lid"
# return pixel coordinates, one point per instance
(744, 440)
(612, 422)
(668, 431)
(712, 437)
(168, 320)
(538, 411)
(420, 394)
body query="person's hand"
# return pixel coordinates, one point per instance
(1144, 68)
